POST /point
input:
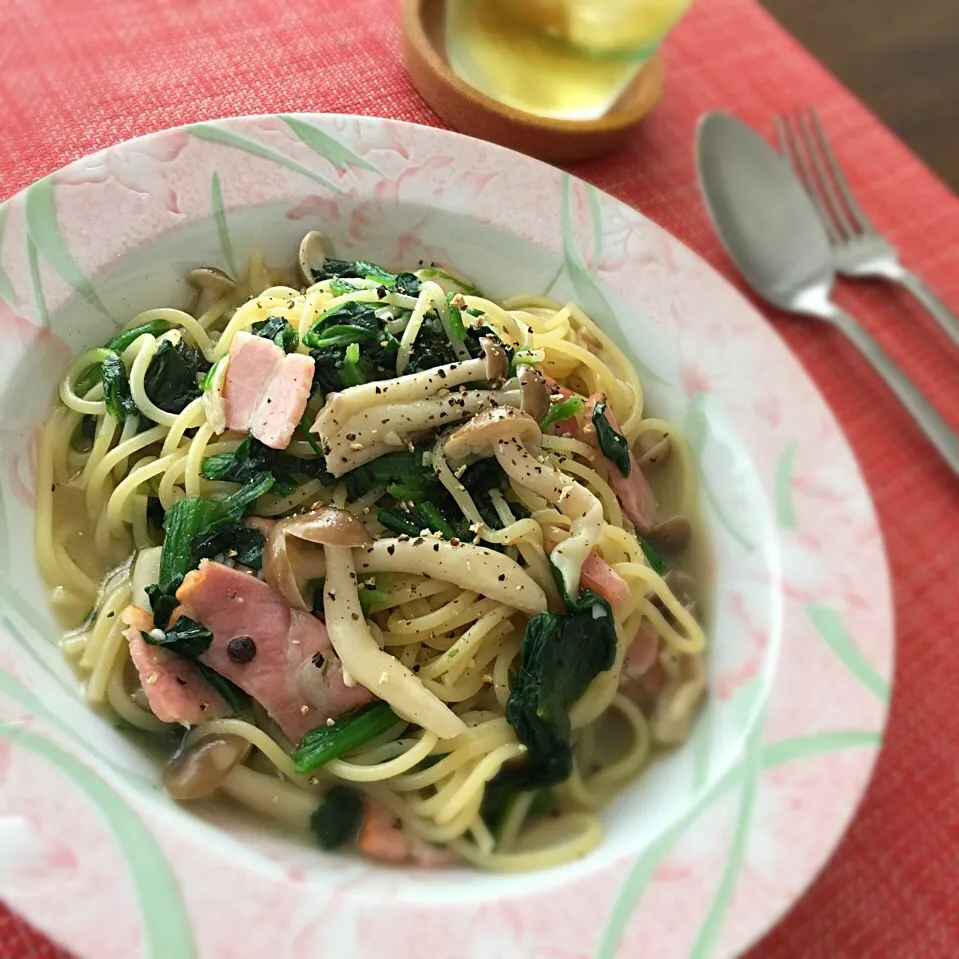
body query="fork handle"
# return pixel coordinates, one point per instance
(927, 296)
(939, 432)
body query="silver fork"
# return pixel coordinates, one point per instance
(858, 250)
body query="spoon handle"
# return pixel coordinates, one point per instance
(940, 433)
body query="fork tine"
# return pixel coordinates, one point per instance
(789, 147)
(846, 226)
(862, 222)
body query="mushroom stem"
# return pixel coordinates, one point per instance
(212, 285)
(572, 499)
(506, 432)
(383, 674)
(385, 428)
(676, 707)
(464, 564)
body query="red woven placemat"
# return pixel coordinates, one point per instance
(78, 75)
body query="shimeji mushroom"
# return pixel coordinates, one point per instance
(212, 285)
(385, 676)
(670, 536)
(291, 559)
(471, 567)
(201, 767)
(315, 248)
(507, 432)
(364, 422)
(677, 703)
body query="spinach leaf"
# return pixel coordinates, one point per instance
(474, 346)
(431, 348)
(612, 443)
(84, 434)
(436, 521)
(348, 732)
(92, 374)
(372, 591)
(499, 796)
(334, 268)
(457, 329)
(338, 818)
(277, 329)
(233, 508)
(194, 516)
(401, 521)
(185, 637)
(560, 657)
(373, 271)
(411, 521)
(206, 381)
(327, 364)
(562, 410)
(355, 269)
(340, 287)
(235, 698)
(171, 378)
(156, 514)
(183, 521)
(341, 335)
(408, 283)
(482, 476)
(242, 543)
(190, 639)
(163, 602)
(433, 273)
(126, 338)
(253, 458)
(351, 374)
(350, 322)
(394, 470)
(116, 388)
(654, 556)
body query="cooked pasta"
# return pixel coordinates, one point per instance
(386, 550)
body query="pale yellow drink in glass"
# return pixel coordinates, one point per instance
(569, 59)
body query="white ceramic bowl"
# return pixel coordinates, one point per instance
(707, 849)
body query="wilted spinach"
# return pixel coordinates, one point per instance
(185, 637)
(338, 818)
(116, 388)
(612, 443)
(276, 329)
(171, 378)
(560, 656)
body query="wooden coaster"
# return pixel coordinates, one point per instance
(466, 109)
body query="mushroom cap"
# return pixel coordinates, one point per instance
(315, 247)
(486, 429)
(327, 525)
(535, 392)
(289, 565)
(497, 362)
(671, 535)
(200, 769)
(212, 284)
(211, 277)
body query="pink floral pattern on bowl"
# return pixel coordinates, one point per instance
(705, 852)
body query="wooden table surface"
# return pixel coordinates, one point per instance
(901, 57)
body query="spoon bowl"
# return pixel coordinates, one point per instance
(772, 232)
(763, 216)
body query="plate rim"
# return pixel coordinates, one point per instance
(607, 945)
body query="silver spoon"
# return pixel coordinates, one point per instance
(770, 229)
